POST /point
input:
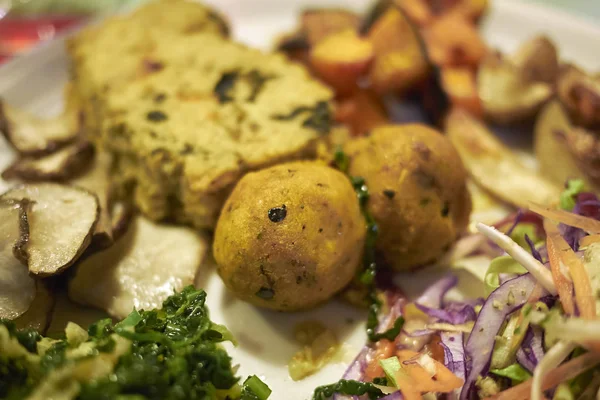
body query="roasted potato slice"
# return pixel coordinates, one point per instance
(400, 61)
(30, 135)
(60, 165)
(505, 95)
(361, 112)
(537, 60)
(140, 270)
(17, 288)
(564, 151)
(579, 93)
(341, 59)
(513, 89)
(452, 40)
(494, 167)
(61, 221)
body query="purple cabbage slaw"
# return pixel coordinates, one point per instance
(502, 302)
(531, 351)
(472, 359)
(587, 205)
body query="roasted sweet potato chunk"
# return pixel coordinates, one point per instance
(341, 58)
(459, 84)
(399, 62)
(319, 23)
(452, 40)
(361, 112)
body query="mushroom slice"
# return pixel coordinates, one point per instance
(579, 93)
(61, 221)
(505, 95)
(39, 314)
(17, 288)
(96, 179)
(493, 166)
(59, 165)
(30, 135)
(140, 270)
(121, 214)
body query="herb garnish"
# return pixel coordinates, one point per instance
(368, 275)
(350, 388)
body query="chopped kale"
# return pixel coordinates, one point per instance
(257, 81)
(319, 117)
(156, 116)
(350, 388)
(225, 85)
(172, 353)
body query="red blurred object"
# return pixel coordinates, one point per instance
(19, 34)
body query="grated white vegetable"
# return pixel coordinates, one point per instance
(551, 360)
(536, 268)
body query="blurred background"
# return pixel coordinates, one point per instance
(25, 22)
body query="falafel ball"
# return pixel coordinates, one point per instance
(290, 237)
(418, 191)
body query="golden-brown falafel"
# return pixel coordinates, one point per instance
(289, 237)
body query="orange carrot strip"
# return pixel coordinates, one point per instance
(563, 286)
(384, 349)
(445, 381)
(587, 240)
(567, 218)
(568, 370)
(584, 298)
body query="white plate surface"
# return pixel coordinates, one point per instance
(266, 344)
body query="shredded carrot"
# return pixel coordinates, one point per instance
(568, 370)
(587, 240)
(563, 285)
(586, 301)
(444, 381)
(578, 221)
(383, 349)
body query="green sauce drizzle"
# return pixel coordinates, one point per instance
(367, 276)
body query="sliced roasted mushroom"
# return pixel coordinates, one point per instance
(140, 270)
(61, 222)
(493, 166)
(507, 97)
(96, 179)
(30, 135)
(39, 314)
(60, 165)
(579, 93)
(17, 288)
(565, 151)
(121, 214)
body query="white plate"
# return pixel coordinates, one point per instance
(35, 82)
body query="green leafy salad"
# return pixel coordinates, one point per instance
(171, 353)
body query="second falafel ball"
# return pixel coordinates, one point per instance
(418, 191)
(290, 237)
